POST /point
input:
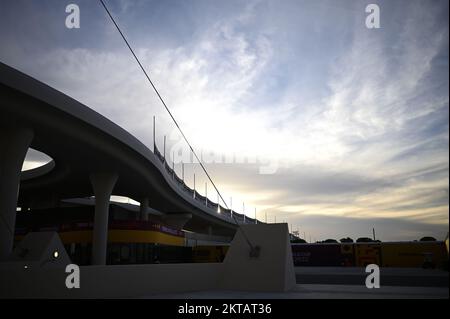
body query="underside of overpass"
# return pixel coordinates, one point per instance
(91, 158)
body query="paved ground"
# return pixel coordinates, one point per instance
(320, 292)
(410, 277)
(344, 283)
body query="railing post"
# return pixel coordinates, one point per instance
(154, 134)
(194, 186)
(231, 207)
(164, 155)
(206, 194)
(218, 204)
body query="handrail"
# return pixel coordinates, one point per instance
(209, 203)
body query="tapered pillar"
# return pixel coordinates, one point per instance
(103, 185)
(144, 209)
(14, 143)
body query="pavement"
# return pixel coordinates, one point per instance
(318, 292)
(342, 283)
(406, 277)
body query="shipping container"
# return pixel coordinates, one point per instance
(414, 254)
(367, 253)
(209, 254)
(332, 254)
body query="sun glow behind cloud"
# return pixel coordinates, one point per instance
(356, 119)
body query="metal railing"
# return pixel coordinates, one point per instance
(214, 208)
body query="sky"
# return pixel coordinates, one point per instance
(296, 107)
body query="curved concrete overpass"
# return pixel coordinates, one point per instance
(91, 154)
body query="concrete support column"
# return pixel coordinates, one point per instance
(14, 143)
(143, 209)
(103, 185)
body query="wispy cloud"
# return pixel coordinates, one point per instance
(357, 119)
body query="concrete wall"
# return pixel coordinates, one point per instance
(271, 271)
(121, 281)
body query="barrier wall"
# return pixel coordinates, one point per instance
(271, 270)
(121, 281)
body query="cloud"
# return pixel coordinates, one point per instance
(356, 119)
(317, 227)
